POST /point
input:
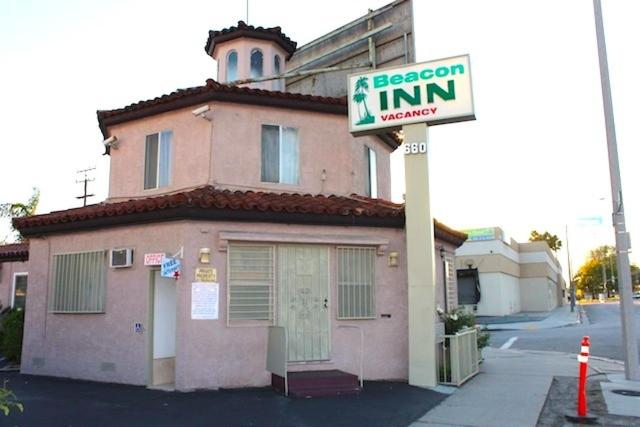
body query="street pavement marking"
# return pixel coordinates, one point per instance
(509, 343)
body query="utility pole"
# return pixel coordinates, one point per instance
(572, 285)
(84, 181)
(623, 244)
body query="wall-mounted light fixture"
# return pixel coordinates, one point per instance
(204, 255)
(393, 259)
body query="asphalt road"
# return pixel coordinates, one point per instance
(603, 329)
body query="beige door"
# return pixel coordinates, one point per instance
(303, 300)
(164, 330)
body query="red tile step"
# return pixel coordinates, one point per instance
(318, 383)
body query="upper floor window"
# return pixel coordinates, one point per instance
(157, 160)
(277, 70)
(371, 173)
(280, 154)
(256, 63)
(232, 66)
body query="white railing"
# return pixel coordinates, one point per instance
(458, 358)
(361, 373)
(277, 354)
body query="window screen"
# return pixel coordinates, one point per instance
(251, 278)
(356, 283)
(78, 282)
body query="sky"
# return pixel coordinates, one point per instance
(535, 157)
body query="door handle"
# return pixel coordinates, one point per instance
(326, 303)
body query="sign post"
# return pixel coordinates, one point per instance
(412, 97)
(420, 260)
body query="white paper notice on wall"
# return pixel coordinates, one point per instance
(204, 300)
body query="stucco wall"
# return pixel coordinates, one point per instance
(234, 158)
(538, 294)
(499, 294)
(209, 354)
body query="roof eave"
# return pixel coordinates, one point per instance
(199, 214)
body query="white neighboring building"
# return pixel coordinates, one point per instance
(496, 278)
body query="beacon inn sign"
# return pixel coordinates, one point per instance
(434, 92)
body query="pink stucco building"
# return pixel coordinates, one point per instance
(265, 193)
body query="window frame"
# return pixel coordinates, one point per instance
(51, 284)
(169, 167)
(13, 288)
(280, 134)
(373, 315)
(234, 323)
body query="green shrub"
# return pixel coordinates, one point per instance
(8, 400)
(12, 327)
(459, 319)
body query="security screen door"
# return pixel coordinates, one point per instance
(303, 300)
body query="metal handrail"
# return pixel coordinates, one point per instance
(361, 374)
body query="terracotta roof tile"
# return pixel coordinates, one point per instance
(14, 252)
(243, 30)
(210, 199)
(209, 203)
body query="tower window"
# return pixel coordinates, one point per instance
(276, 70)
(256, 63)
(232, 66)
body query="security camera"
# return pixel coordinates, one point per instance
(199, 112)
(111, 142)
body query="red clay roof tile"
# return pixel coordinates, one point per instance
(215, 204)
(14, 252)
(243, 30)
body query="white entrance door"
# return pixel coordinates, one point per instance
(164, 329)
(303, 300)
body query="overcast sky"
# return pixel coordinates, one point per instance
(534, 158)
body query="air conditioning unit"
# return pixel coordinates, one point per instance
(121, 258)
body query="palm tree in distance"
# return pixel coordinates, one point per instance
(360, 97)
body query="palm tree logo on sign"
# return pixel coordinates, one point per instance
(360, 94)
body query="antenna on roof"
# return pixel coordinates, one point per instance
(247, 21)
(85, 180)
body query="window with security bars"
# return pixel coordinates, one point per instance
(251, 283)
(356, 283)
(78, 282)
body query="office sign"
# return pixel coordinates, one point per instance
(153, 259)
(433, 92)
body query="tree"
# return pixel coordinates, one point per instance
(360, 97)
(552, 240)
(599, 273)
(19, 210)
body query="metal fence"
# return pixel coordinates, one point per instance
(458, 357)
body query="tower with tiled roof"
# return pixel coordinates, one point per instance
(247, 52)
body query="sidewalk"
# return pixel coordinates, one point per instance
(557, 318)
(511, 389)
